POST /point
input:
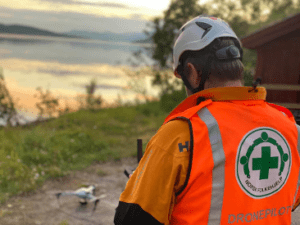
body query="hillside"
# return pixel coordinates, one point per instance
(109, 36)
(84, 147)
(36, 152)
(104, 36)
(26, 30)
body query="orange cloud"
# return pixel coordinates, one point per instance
(83, 7)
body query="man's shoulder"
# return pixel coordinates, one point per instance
(172, 135)
(176, 125)
(286, 112)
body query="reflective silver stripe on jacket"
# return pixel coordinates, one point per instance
(219, 166)
(298, 186)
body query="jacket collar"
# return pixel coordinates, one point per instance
(221, 94)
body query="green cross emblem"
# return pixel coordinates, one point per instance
(265, 163)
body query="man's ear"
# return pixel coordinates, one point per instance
(194, 75)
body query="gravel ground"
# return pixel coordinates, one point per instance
(42, 207)
(296, 216)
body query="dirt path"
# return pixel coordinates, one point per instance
(42, 207)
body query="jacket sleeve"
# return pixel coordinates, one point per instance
(297, 197)
(149, 195)
(297, 203)
(133, 214)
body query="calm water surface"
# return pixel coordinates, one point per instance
(65, 67)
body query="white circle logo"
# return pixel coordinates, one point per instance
(263, 162)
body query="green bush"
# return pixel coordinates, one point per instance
(73, 147)
(15, 177)
(55, 153)
(48, 104)
(149, 108)
(33, 150)
(64, 222)
(124, 114)
(169, 101)
(29, 155)
(248, 76)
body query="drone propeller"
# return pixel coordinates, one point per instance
(86, 194)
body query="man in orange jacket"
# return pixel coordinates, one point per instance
(224, 155)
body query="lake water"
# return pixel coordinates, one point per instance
(65, 66)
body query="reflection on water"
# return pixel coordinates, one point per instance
(65, 67)
(67, 50)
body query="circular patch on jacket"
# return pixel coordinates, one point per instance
(263, 162)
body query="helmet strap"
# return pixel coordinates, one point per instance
(186, 83)
(204, 77)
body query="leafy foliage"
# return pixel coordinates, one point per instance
(170, 100)
(8, 111)
(48, 105)
(244, 16)
(166, 81)
(137, 81)
(241, 15)
(164, 30)
(15, 177)
(171, 89)
(31, 154)
(92, 102)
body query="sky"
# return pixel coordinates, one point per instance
(117, 16)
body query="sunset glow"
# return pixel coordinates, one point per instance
(66, 80)
(116, 8)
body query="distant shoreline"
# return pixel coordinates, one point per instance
(26, 37)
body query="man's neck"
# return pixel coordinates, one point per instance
(215, 84)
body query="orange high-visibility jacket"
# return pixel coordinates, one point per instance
(245, 162)
(195, 168)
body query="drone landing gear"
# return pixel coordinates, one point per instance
(83, 203)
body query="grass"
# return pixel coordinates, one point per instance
(64, 222)
(30, 155)
(101, 173)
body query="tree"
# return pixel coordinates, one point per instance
(241, 16)
(8, 112)
(164, 30)
(48, 105)
(244, 16)
(92, 102)
(89, 100)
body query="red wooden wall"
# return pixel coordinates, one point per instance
(278, 62)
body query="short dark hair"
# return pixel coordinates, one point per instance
(222, 70)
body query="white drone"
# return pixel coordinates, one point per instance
(87, 194)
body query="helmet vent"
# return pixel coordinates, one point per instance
(205, 27)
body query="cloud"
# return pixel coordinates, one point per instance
(58, 72)
(104, 86)
(100, 4)
(136, 16)
(114, 5)
(5, 15)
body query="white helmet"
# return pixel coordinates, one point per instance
(199, 33)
